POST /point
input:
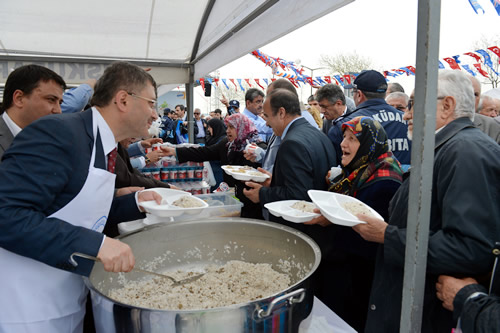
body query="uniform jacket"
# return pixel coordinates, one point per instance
(43, 170)
(464, 224)
(390, 118)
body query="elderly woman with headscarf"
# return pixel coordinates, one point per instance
(229, 151)
(372, 174)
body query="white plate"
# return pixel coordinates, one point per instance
(329, 203)
(245, 176)
(166, 209)
(284, 209)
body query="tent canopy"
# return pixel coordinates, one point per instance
(175, 38)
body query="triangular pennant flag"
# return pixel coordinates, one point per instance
(224, 81)
(239, 82)
(487, 60)
(496, 5)
(477, 7)
(202, 82)
(258, 83)
(441, 66)
(495, 50)
(266, 81)
(411, 69)
(469, 70)
(480, 70)
(232, 80)
(473, 55)
(347, 79)
(453, 64)
(216, 80)
(248, 81)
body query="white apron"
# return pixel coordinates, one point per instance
(38, 298)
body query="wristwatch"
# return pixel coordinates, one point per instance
(147, 160)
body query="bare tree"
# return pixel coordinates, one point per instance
(345, 63)
(482, 44)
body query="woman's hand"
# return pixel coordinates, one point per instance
(148, 143)
(321, 220)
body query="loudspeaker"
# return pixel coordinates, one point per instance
(208, 89)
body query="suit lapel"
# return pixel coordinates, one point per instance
(6, 136)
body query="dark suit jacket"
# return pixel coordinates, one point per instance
(45, 168)
(488, 125)
(5, 137)
(302, 162)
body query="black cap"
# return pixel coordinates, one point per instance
(370, 81)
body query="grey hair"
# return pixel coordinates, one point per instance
(481, 101)
(331, 92)
(457, 84)
(398, 94)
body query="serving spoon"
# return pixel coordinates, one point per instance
(175, 282)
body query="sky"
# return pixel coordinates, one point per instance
(385, 31)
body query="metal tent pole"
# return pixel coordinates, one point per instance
(190, 103)
(422, 161)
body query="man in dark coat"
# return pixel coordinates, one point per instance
(464, 218)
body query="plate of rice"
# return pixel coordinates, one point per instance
(245, 173)
(174, 203)
(341, 209)
(296, 211)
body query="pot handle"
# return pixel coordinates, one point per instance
(293, 297)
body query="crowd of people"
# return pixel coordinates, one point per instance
(67, 180)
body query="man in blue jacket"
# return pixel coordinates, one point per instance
(368, 93)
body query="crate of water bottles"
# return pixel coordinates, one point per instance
(187, 176)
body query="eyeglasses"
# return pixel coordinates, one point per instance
(152, 102)
(196, 113)
(410, 102)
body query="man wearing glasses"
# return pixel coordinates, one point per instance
(57, 186)
(201, 125)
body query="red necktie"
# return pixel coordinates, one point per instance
(112, 161)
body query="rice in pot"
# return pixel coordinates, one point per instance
(233, 283)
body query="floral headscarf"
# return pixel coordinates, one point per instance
(245, 130)
(373, 160)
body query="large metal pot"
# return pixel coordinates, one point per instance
(196, 243)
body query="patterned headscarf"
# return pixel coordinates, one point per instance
(245, 130)
(373, 160)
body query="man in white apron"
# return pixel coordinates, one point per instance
(56, 195)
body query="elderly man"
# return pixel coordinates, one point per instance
(487, 106)
(332, 101)
(56, 195)
(464, 219)
(201, 125)
(398, 100)
(31, 92)
(486, 124)
(394, 87)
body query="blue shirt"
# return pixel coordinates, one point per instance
(75, 100)
(265, 131)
